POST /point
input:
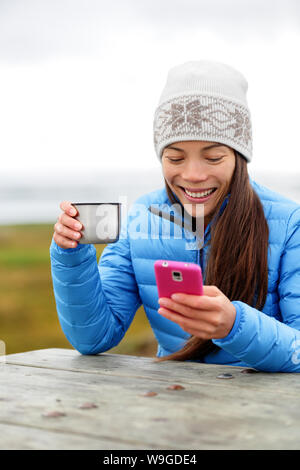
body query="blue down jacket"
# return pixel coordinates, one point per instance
(96, 303)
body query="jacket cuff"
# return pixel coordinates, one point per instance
(71, 256)
(231, 334)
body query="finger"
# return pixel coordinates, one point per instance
(211, 291)
(66, 232)
(64, 242)
(189, 325)
(70, 222)
(187, 311)
(201, 302)
(68, 208)
(182, 309)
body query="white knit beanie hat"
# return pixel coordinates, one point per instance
(204, 100)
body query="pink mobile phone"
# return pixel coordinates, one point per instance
(178, 276)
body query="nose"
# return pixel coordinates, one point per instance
(194, 171)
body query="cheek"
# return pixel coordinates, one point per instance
(230, 169)
(229, 175)
(168, 173)
(225, 175)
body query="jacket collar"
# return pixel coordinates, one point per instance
(183, 219)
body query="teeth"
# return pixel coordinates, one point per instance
(203, 194)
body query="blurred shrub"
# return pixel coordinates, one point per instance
(28, 318)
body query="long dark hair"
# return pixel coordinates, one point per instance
(238, 254)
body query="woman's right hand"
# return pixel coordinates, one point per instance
(67, 228)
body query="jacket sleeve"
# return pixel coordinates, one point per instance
(261, 341)
(95, 304)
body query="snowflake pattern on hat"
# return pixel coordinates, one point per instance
(204, 117)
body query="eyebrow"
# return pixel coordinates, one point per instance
(208, 147)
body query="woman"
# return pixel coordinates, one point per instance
(249, 314)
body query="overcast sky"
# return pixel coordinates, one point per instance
(80, 79)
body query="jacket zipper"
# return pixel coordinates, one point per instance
(200, 258)
(177, 221)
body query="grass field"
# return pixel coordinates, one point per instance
(28, 318)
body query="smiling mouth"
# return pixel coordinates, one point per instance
(198, 194)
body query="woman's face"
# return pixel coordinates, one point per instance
(198, 172)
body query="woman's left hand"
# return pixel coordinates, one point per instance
(207, 316)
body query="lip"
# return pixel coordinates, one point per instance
(197, 190)
(197, 199)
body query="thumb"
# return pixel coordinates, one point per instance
(211, 291)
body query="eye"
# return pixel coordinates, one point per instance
(215, 160)
(174, 160)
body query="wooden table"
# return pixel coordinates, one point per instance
(59, 399)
